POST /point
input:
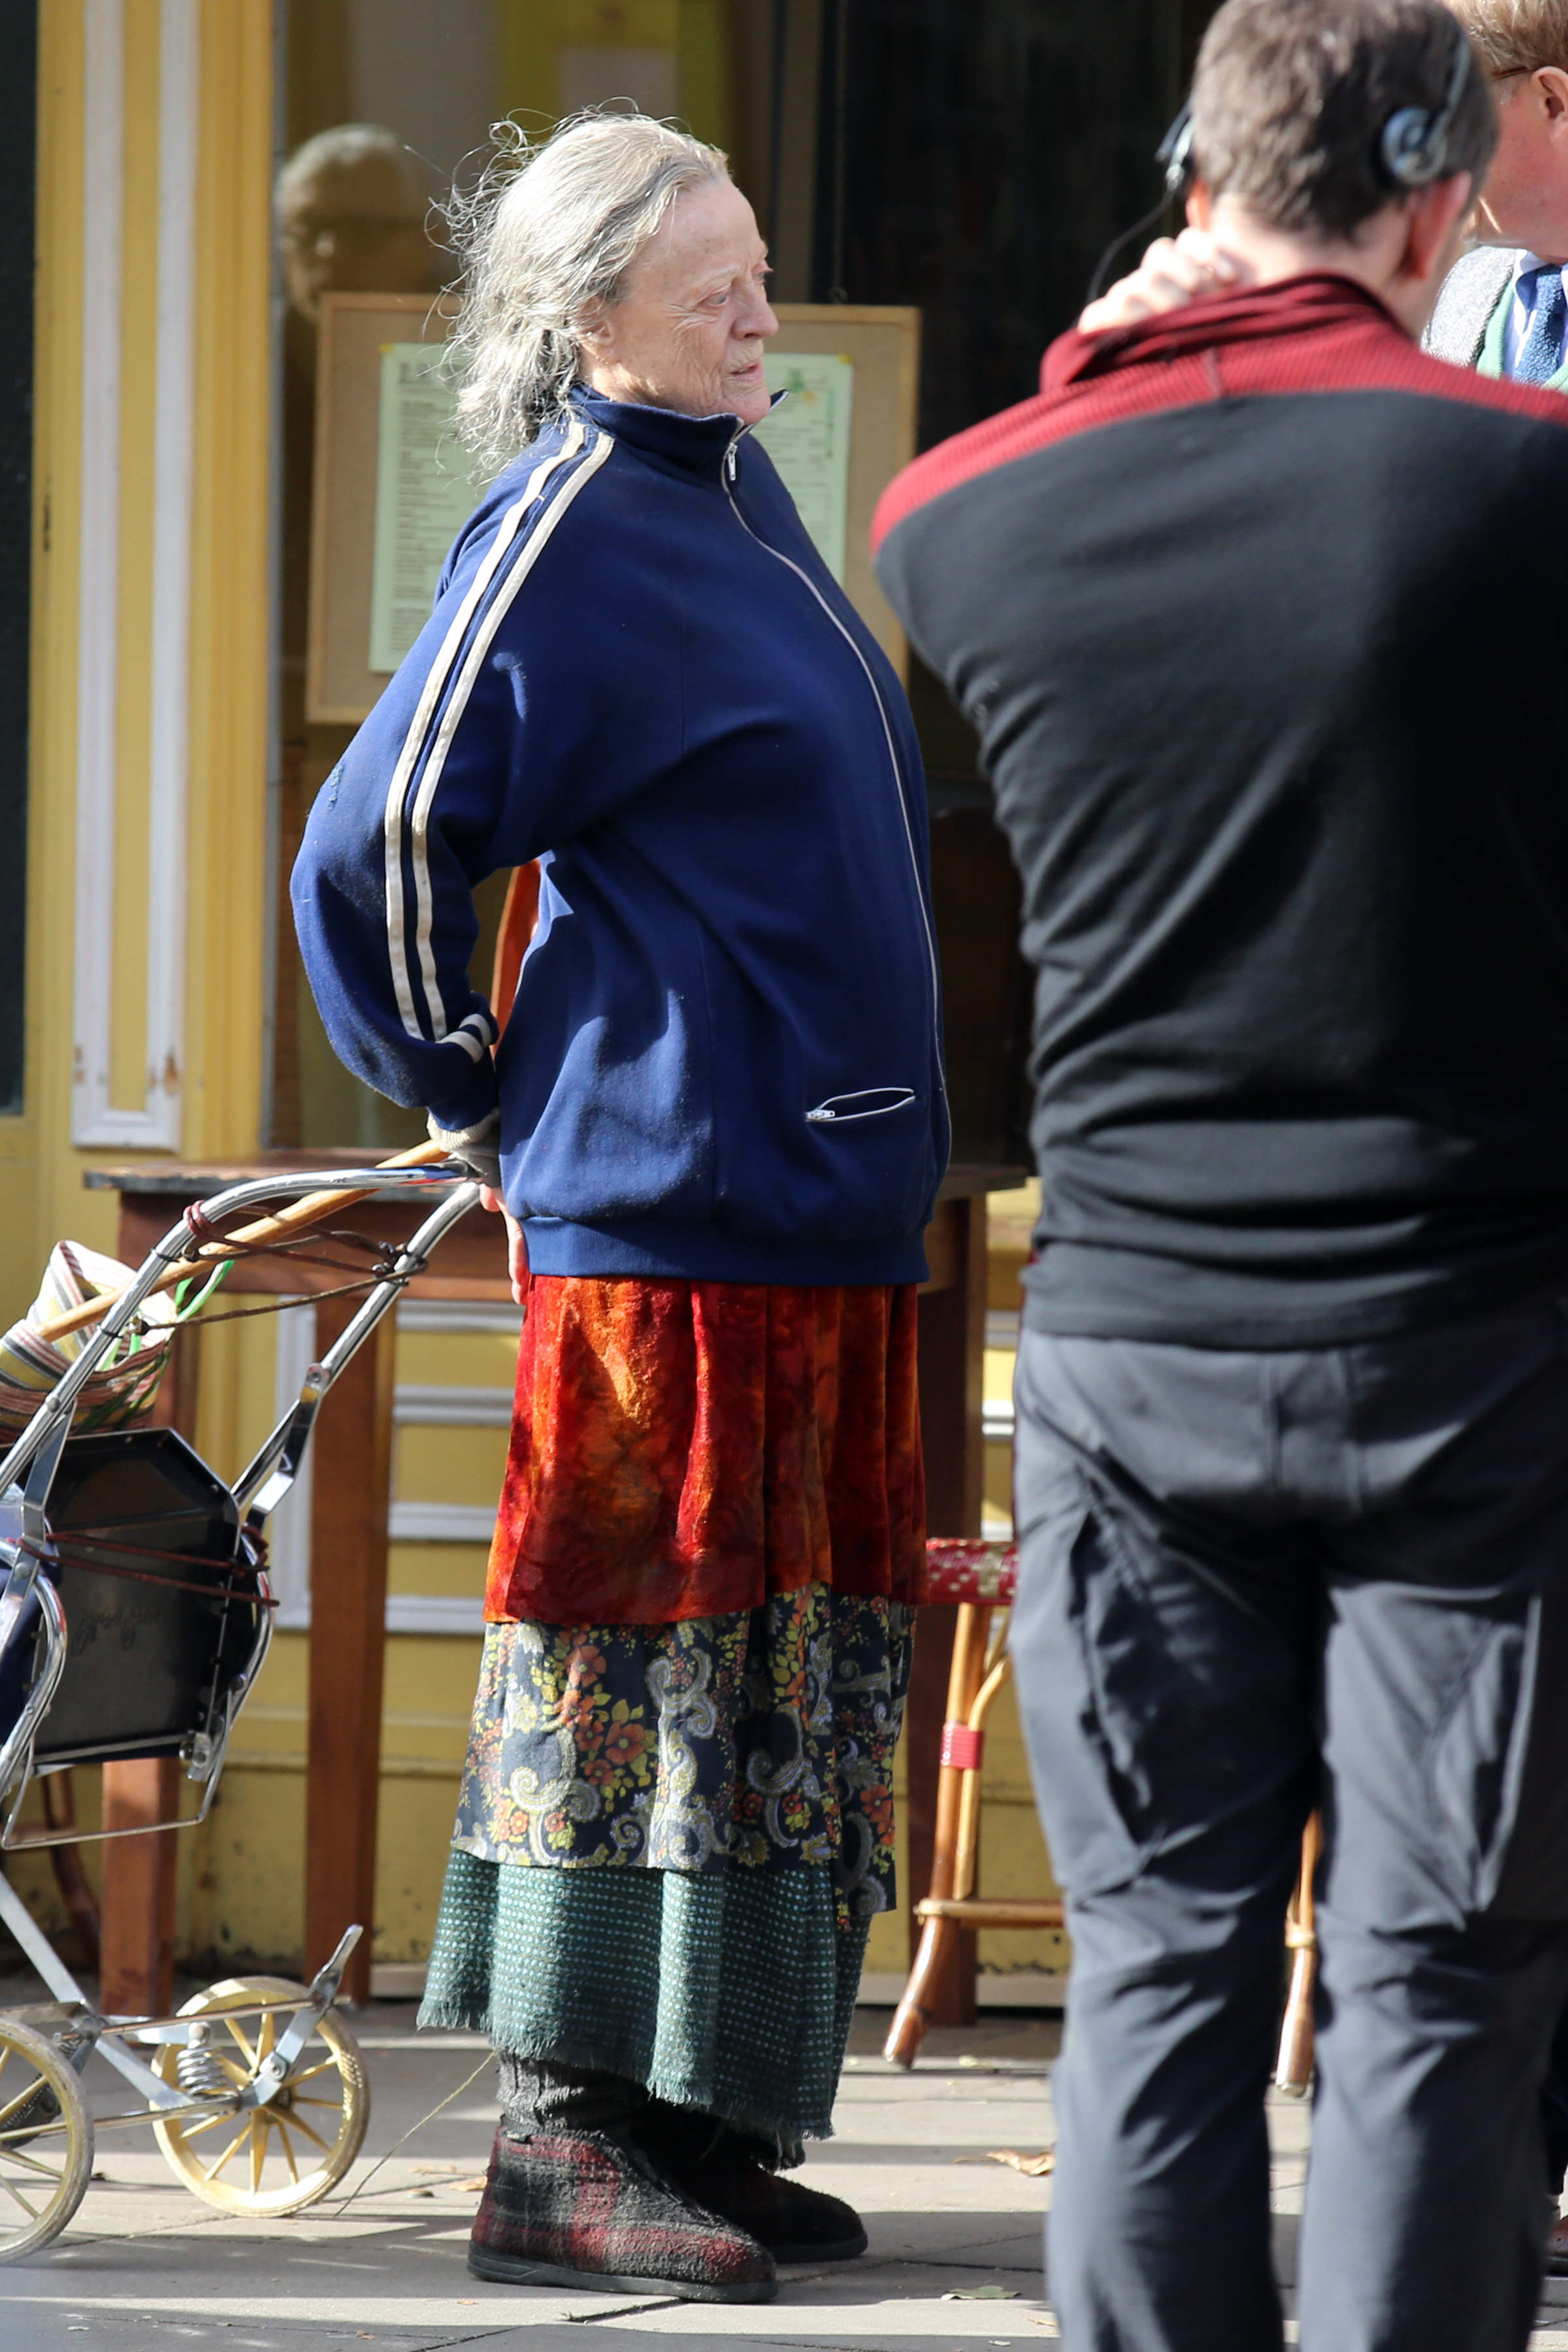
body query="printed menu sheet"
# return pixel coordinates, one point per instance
(807, 437)
(423, 495)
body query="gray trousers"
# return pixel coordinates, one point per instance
(1251, 1582)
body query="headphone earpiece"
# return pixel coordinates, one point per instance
(1413, 148)
(1175, 153)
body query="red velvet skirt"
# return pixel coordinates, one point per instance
(681, 1449)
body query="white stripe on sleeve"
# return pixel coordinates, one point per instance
(435, 762)
(431, 695)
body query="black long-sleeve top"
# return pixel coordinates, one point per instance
(1262, 616)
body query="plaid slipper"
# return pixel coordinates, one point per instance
(589, 2209)
(717, 2168)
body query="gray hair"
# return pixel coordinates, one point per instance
(552, 229)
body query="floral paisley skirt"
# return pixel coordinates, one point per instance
(670, 1842)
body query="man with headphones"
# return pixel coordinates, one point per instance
(1502, 311)
(1292, 1494)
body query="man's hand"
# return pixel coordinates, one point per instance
(1174, 271)
(516, 1243)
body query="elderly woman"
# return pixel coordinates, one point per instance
(716, 1119)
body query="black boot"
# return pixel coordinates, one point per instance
(722, 2169)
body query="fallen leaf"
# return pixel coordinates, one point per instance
(989, 2293)
(1036, 2167)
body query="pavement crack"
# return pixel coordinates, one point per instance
(621, 2311)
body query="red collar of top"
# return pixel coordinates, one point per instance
(1289, 306)
(1316, 334)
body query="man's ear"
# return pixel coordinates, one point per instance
(1200, 206)
(1550, 87)
(1432, 221)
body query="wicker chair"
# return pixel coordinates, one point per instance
(980, 1577)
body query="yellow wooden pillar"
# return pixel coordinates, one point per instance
(147, 883)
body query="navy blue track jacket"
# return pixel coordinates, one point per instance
(724, 1058)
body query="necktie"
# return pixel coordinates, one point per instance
(1541, 353)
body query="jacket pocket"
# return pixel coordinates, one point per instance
(870, 1102)
(1104, 1714)
(1519, 1868)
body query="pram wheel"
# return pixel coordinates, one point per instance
(278, 2157)
(46, 2141)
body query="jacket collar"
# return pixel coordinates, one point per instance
(1289, 306)
(694, 446)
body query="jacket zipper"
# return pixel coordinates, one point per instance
(731, 468)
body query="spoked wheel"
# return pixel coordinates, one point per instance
(284, 2156)
(46, 2141)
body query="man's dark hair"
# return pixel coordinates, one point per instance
(1292, 97)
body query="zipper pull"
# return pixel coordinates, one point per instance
(732, 461)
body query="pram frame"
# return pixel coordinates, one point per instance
(260, 1488)
(70, 2026)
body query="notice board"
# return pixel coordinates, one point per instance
(393, 482)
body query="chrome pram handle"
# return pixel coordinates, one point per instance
(59, 1407)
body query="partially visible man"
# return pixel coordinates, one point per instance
(1502, 309)
(1292, 1495)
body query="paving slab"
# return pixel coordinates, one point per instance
(145, 2265)
(954, 2257)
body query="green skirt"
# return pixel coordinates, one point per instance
(733, 1993)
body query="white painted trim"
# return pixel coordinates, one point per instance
(419, 1404)
(179, 103)
(461, 1523)
(431, 1613)
(96, 1118)
(97, 591)
(458, 1315)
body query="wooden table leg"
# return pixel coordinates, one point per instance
(140, 1874)
(139, 1880)
(952, 1374)
(351, 1497)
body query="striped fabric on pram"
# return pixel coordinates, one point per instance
(127, 1381)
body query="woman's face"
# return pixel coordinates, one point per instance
(689, 330)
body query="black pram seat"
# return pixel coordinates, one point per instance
(159, 1611)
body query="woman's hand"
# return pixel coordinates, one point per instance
(516, 1243)
(1174, 271)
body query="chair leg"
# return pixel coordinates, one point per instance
(938, 1937)
(1293, 2069)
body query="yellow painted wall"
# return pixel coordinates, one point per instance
(695, 34)
(40, 1171)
